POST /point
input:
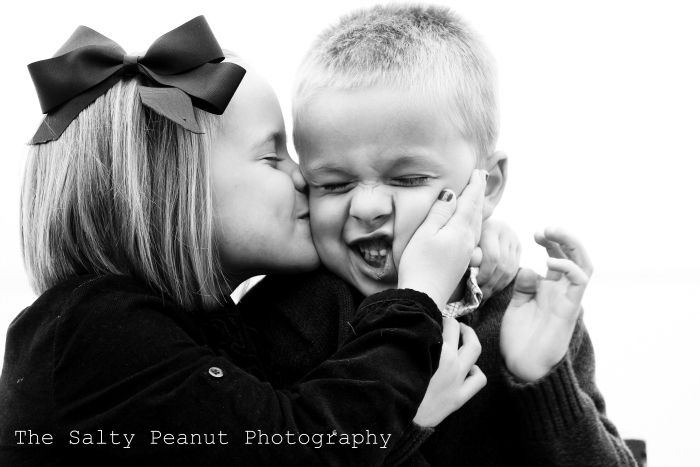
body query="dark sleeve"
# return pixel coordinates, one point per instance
(563, 414)
(405, 452)
(133, 369)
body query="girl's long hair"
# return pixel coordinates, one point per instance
(124, 191)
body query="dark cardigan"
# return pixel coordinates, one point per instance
(103, 354)
(558, 420)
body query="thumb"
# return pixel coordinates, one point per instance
(442, 210)
(525, 286)
(477, 257)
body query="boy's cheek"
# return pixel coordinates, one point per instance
(326, 227)
(323, 214)
(329, 252)
(411, 210)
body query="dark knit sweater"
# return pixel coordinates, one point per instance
(558, 420)
(107, 353)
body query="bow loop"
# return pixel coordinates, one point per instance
(84, 36)
(88, 64)
(158, 57)
(60, 79)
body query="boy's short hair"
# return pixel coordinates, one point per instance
(428, 49)
(124, 191)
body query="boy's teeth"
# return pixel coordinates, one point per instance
(375, 252)
(374, 255)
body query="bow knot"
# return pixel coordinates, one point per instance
(184, 68)
(130, 66)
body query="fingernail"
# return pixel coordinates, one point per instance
(446, 195)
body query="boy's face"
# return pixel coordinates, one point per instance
(375, 161)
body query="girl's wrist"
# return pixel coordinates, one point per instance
(439, 300)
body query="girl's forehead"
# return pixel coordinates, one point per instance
(253, 118)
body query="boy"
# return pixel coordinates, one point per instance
(394, 104)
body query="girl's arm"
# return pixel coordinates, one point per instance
(142, 369)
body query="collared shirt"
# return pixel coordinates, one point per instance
(471, 300)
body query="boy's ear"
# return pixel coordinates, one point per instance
(496, 164)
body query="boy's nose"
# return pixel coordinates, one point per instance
(371, 205)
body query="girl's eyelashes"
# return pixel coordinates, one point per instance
(272, 159)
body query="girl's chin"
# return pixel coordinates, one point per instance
(303, 263)
(299, 263)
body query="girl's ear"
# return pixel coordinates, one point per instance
(497, 166)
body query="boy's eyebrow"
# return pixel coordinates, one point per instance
(328, 168)
(408, 160)
(414, 161)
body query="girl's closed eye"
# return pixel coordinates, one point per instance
(272, 159)
(412, 180)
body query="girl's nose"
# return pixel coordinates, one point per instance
(299, 180)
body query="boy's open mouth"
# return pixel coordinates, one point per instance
(375, 252)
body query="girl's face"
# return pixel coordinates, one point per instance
(261, 211)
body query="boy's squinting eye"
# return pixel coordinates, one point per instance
(335, 187)
(415, 180)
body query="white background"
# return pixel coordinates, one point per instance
(600, 115)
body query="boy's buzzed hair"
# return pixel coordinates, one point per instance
(428, 49)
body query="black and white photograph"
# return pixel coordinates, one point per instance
(451, 233)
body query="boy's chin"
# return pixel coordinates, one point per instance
(369, 287)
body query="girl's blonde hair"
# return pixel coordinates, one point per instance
(124, 191)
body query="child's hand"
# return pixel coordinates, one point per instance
(540, 320)
(457, 378)
(497, 257)
(437, 256)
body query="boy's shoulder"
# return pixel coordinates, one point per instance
(490, 312)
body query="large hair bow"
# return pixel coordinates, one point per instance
(182, 69)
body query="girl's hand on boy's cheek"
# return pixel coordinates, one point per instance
(498, 259)
(436, 258)
(537, 327)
